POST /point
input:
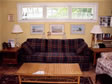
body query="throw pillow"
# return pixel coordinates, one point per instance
(81, 48)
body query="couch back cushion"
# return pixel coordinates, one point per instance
(69, 45)
(55, 45)
(74, 45)
(38, 45)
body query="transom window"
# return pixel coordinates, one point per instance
(57, 12)
(67, 12)
(32, 13)
(82, 13)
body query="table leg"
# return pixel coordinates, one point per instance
(19, 79)
(78, 80)
(94, 59)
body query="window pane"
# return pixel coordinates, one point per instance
(82, 13)
(32, 13)
(57, 12)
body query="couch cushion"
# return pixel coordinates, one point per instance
(55, 57)
(36, 57)
(60, 57)
(70, 46)
(55, 45)
(75, 58)
(38, 45)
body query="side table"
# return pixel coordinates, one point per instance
(99, 50)
(10, 56)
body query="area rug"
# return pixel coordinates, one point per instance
(13, 79)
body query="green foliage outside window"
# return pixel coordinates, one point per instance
(57, 12)
(82, 13)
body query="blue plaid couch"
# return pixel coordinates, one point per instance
(56, 51)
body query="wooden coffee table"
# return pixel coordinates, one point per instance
(49, 73)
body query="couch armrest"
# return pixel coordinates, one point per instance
(84, 50)
(26, 48)
(88, 52)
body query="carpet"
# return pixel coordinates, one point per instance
(13, 79)
(103, 79)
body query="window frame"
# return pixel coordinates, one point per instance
(69, 5)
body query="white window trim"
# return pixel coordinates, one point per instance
(45, 5)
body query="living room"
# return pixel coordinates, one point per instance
(10, 14)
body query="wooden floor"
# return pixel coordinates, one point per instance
(11, 69)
